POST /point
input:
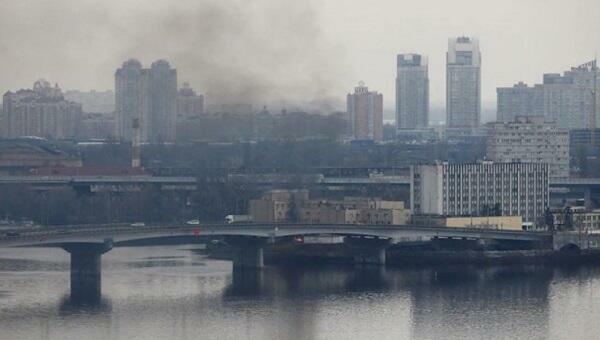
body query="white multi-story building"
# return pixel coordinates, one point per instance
(412, 92)
(41, 112)
(567, 99)
(463, 83)
(530, 140)
(475, 189)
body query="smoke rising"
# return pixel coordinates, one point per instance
(252, 52)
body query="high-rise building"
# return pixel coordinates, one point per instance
(162, 110)
(41, 112)
(530, 140)
(146, 99)
(189, 104)
(476, 189)
(567, 99)
(129, 98)
(463, 83)
(412, 92)
(519, 101)
(365, 113)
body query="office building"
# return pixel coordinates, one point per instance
(476, 189)
(365, 114)
(40, 112)
(146, 99)
(463, 83)
(412, 92)
(530, 140)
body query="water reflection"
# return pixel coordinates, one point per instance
(70, 305)
(202, 298)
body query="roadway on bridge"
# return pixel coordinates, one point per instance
(55, 236)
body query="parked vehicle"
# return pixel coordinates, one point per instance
(12, 234)
(238, 218)
(138, 224)
(193, 222)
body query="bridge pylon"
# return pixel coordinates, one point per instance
(86, 270)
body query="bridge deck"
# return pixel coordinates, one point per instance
(120, 233)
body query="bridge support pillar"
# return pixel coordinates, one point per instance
(247, 252)
(369, 251)
(86, 270)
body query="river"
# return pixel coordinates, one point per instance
(171, 292)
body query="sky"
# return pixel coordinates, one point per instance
(307, 51)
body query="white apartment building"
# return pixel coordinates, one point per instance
(530, 140)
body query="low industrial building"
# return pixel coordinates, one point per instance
(20, 155)
(478, 222)
(295, 206)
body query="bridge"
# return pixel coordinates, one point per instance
(86, 244)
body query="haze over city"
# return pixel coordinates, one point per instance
(265, 169)
(303, 51)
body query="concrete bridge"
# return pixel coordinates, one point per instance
(86, 244)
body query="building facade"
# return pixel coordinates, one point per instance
(365, 114)
(189, 104)
(567, 98)
(463, 83)
(530, 140)
(475, 189)
(412, 92)
(295, 206)
(519, 101)
(146, 99)
(40, 112)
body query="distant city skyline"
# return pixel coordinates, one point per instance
(310, 51)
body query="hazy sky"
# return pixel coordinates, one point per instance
(307, 50)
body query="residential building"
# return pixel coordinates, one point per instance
(412, 92)
(146, 99)
(530, 140)
(189, 104)
(473, 189)
(463, 83)
(365, 114)
(519, 101)
(567, 98)
(41, 112)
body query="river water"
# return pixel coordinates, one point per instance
(170, 292)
